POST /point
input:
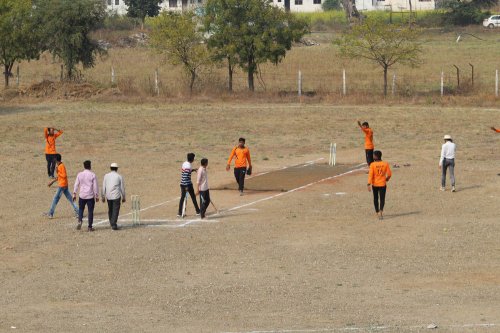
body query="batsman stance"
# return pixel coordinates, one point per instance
(379, 175)
(242, 155)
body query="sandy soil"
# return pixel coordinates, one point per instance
(311, 260)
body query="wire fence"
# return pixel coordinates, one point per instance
(290, 81)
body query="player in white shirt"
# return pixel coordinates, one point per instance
(447, 161)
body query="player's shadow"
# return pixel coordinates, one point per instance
(393, 216)
(466, 188)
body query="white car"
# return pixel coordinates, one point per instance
(492, 22)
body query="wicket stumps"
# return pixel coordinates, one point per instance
(333, 154)
(136, 208)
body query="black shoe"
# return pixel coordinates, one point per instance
(79, 225)
(115, 227)
(90, 229)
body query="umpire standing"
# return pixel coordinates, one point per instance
(113, 190)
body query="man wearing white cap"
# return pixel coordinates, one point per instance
(113, 190)
(447, 160)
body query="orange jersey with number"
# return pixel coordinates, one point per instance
(379, 173)
(242, 156)
(368, 138)
(50, 141)
(62, 176)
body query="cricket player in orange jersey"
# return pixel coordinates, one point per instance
(242, 158)
(62, 180)
(50, 148)
(379, 175)
(369, 146)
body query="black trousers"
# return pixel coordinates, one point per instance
(369, 156)
(239, 174)
(90, 203)
(188, 188)
(51, 164)
(204, 202)
(379, 192)
(114, 211)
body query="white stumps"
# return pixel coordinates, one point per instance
(333, 154)
(136, 208)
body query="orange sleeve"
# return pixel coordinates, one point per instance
(497, 130)
(58, 134)
(46, 132)
(231, 156)
(62, 176)
(389, 172)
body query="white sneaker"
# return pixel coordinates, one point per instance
(453, 189)
(442, 189)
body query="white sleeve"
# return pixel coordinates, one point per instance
(441, 158)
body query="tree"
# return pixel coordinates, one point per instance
(18, 35)
(384, 44)
(143, 8)
(178, 37)
(65, 27)
(251, 32)
(222, 41)
(466, 12)
(331, 4)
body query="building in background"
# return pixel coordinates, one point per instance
(395, 5)
(119, 7)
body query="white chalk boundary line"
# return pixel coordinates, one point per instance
(301, 165)
(143, 209)
(189, 222)
(367, 328)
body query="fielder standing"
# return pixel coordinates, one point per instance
(447, 161)
(378, 176)
(369, 146)
(50, 149)
(241, 154)
(113, 190)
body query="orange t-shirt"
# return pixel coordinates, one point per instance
(368, 138)
(62, 176)
(242, 156)
(50, 141)
(379, 174)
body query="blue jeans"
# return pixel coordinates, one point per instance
(448, 163)
(61, 191)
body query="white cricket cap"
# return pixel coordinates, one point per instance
(114, 165)
(447, 137)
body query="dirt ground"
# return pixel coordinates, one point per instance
(313, 259)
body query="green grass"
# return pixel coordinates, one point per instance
(335, 19)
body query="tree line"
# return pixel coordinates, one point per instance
(229, 33)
